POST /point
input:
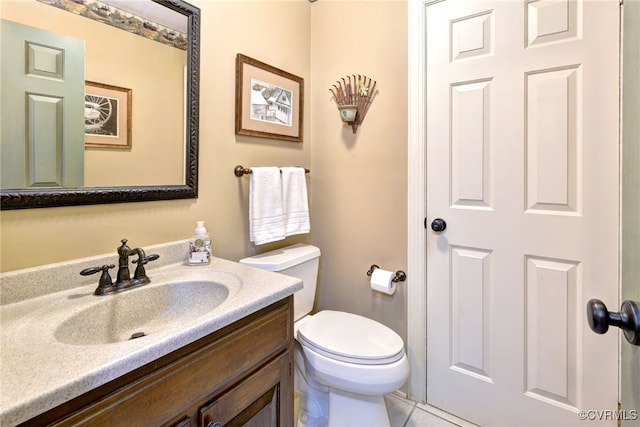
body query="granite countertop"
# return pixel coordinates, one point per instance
(38, 372)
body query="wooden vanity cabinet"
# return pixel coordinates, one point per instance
(255, 401)
(239, 375)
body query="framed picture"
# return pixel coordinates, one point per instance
(107, 116)
(269, 101)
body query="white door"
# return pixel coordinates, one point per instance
(522, 138)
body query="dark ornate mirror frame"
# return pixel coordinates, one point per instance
(50, 197)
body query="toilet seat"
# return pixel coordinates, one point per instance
(351, 338)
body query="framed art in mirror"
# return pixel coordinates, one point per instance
(269, 101)
(107, 116)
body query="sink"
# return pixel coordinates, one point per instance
(136, 313)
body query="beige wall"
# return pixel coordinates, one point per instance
(276, 32)
(358, 183)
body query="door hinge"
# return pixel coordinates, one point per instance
(619, 422)
(425, 222)
(290, 368)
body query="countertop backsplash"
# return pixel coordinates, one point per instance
(19, 285)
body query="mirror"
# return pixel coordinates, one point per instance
(130, 182)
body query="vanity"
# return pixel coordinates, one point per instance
(198, 346)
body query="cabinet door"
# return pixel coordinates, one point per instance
(262, 399)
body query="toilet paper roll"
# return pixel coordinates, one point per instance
(381, 281)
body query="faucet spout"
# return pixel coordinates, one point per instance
(139, 252)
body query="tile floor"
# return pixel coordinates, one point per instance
(405, 413)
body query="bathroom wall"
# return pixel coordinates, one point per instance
(358, 182)
(275, 32)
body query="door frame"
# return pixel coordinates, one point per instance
(416, 204)
(630, 197)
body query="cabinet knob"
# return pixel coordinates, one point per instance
(212, 424)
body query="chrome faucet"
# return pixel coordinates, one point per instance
(123, 278)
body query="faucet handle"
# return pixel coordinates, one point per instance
(105, 285)
(151, 257)
(145, 260)
(140, 273)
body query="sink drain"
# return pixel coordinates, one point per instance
(137, 335)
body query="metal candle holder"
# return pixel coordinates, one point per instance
(353, 95)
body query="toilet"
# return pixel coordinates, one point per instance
(345, 363)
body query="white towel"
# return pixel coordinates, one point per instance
(266, 216)
(294, 199)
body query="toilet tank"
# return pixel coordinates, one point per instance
(300, 261)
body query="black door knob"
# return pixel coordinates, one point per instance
(438, 225)
(628, 319)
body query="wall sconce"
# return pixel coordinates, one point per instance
(353, 95)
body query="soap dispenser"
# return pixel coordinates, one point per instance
(200, 245)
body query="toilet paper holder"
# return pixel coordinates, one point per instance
(401, 276)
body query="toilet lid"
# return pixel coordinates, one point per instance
(351, 338)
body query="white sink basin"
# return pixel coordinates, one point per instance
(140, 312)
(59, 340)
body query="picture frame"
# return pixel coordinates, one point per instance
(269, 101)
(107, 120)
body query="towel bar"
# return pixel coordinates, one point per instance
(241, 170)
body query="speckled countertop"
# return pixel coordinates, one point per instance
(39, 372)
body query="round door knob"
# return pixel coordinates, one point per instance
(438, 225)
(628, 319)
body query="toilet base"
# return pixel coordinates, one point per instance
(311, 404)
(349, 409)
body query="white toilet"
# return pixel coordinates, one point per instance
(345, 363)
